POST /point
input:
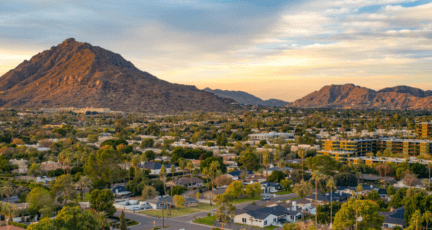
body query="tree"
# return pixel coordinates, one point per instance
(190, 166)
(35, 169)
(223, 180)
(302, 154)
(104, 165)
(286, 184)
(429, 166)
(226, 211)
(427, 217)
(149, 192)
(346, 180)
(206, 163)
(325, 164)
(409, 179)
(92, 138)
(249, 160)
(266, 161)
(235, 189)
(42, 201)
(198, 195)
(163, 175)
(331, 185)
(7, 210)
(102, 200)
(302, 189)
(69, 218)
(123, 223)
(416, 220)
(82, 184)
(346, 217)
(102, 217)
(179, 201)
(7, 190)
(147, 143)
(391, 190)
(276, 176)
(316, 175)
(63, 186)
(253, 189)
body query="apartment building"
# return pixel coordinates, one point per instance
(424, 130)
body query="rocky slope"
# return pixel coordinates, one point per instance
(75, 74)
(246, 98)
(356, 97)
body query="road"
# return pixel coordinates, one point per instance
(185, 222)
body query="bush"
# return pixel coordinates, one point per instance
(18, 224)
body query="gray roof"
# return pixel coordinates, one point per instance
(395, 217)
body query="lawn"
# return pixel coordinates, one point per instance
(246, 199)
(271, 227)
(181, 211)
(208, 220)
(86, 197)
(284, 192)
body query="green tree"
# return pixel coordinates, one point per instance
(123, 223)
(346, 217)
(82, 184)
(416, 220)
(266, 161)
(276, 176)
(147, 143)
(63, 186)
(391, 190)
(302, 189)
(92, 138)
(149, 192)
(286, 184)
(102, 200)
(249, 160)
(427, 217)
(7, 191)
(179, 201)
(235, 189)
(331, 185)
(42, 201)
(253, 189)
(7, 210)
(69, 218)
(316, 175)
(104, 165)
(302, 154)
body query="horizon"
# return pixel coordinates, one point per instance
(279, 49)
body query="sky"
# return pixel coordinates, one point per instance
(270, 48)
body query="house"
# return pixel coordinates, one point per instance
(259, 216)
(120, 191)
(276, 168)
(326, 198)
(268, 187)
(165, 201)
(51, 165)
(155, 167)
(210, 195)
(394, 218)
(235, 175)
(304, 205)
(186, 181)
(376, 179)
(22, 166)
(128, 204)
(350, 190)
(383, 194)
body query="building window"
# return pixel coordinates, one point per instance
(244, 220)
(265, 222)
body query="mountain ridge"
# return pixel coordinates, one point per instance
(244, 98)
(76, 74)
(350, 96)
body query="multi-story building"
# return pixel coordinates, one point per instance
(405, 146)
(337, 155)
(358, 147)
(424, 130)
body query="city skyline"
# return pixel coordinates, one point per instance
(276, 49)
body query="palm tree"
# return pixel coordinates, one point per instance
(331, 184)
(163, 174)
(7, 191)
(302, 154)
(182, 164)
(316, 175)
(102, 217)
(427, 217)
(7, 210)
(358, 174)
(83, 183)
(266, 162)
(416, 219)
(429, 166)
(190, 166)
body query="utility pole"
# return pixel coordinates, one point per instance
(251, 219)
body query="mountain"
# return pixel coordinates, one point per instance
(75, 74)
(246, 98)
(356, 97)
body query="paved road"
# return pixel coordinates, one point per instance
(185, 222)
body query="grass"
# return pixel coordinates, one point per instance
(246, 199)
(181, 211)
(283, 192)
(155, 228)
(208, 220)
(271, 227)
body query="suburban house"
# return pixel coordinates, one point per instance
(22, 166)
(326, 198)
(210, 195)
(259, 216)
(376, 178)
(304, 205)
(120, 190)
(350, 190)
(394, 218)
(155, 167)
(51, 165)
(235, 175)
(164, 201)
(186, 181)
(276, 168)
(268, 187)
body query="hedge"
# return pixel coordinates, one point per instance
(18, 224)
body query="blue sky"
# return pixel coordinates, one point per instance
(272, 49)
